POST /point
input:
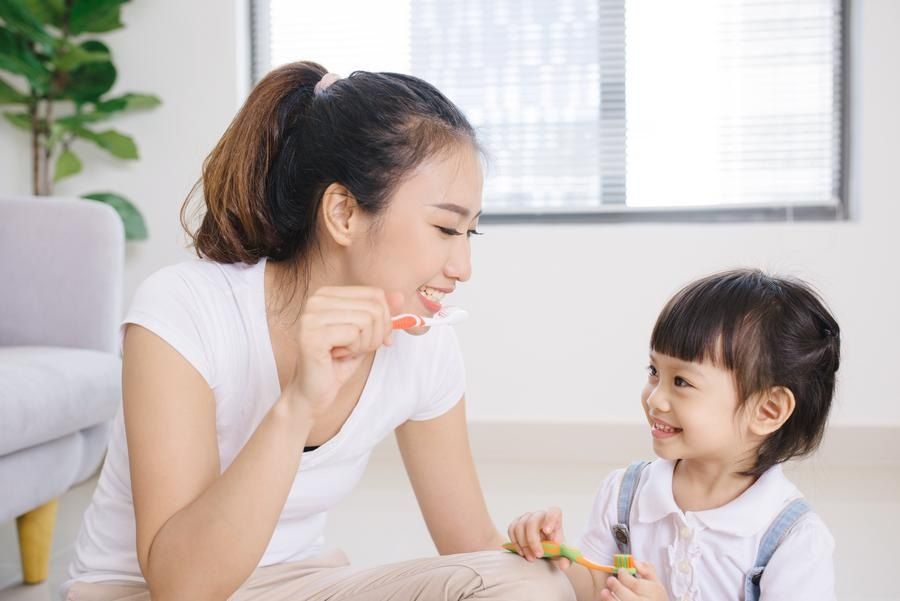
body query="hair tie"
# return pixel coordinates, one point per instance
(325, 83)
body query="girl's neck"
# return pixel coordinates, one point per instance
(699, 485)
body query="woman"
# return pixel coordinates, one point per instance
(258, 379)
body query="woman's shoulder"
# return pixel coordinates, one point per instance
(195, 286)
(201, 274)
(200, 307)
(426, 370)
(426, 360)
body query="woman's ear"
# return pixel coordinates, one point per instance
(773, 408)
(340, 213)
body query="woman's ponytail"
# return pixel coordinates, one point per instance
(237, 224)
(263, 182)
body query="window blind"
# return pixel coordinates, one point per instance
(608, 105)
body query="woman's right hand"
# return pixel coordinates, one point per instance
(338, 328)
(529, 529)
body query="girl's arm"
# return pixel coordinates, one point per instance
(802, 567)
(531, 528)
(439, 463)
(199, 534)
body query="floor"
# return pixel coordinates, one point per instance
(860, 505)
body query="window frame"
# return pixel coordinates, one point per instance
(259, 63)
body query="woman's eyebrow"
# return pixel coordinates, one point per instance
(455, 208)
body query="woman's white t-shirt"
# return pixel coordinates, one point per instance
(214, 315)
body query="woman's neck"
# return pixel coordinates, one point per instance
(286, 288)
(699, 485)
(289, 283)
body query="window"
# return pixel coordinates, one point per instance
(611, 109)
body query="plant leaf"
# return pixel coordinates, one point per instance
(74, 56)
(130, 101)
(67, 164)
(10, 95)
(57, 131)
(16, 57)
(19, 19)
(95, 16)
(49, 12)
(20, 120)
(117, 144)
(90, 81)
(73, 122)
(108, 109)
(135, 228)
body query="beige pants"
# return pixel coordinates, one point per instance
(483, 575)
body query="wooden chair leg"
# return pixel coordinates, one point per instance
(35, 538)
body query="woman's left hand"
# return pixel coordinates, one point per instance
(626, 587)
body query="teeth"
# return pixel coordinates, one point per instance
(432, 294)
(663, 427)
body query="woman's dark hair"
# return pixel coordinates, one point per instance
(263, 181)
(769, 332)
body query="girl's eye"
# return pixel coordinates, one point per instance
(652, 371)
(681, 382)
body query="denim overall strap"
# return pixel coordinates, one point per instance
(620, 531)
(770, 541)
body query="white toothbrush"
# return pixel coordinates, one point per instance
(447, 316)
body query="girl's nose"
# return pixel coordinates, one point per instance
(657, 400)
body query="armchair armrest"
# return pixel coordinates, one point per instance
(61, 264)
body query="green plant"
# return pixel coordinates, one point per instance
(42, 46)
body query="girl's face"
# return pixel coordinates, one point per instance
(693, 412)
(419, 246)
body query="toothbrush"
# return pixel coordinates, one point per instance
(551, 549)
(447, 316)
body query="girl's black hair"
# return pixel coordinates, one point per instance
(769, 332)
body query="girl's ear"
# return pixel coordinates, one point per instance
(340, 214)
(773, 408)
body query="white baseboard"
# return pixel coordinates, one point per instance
(619, 444)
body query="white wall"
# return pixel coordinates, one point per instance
(185, 52)
(560, 314)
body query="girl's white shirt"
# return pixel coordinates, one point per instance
(706, 555)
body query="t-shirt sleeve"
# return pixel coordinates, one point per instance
(802, 568)
(444, 376)
(169, 305)
(597, 543)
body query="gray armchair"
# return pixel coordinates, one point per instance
(61, 262)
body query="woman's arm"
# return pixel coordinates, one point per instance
(199, 534)
(439, 462)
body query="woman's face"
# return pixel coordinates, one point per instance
(419, 246)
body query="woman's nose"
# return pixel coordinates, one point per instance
(459, 264)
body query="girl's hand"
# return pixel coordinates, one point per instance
(626, 587)
(529, 529)
(339, 326)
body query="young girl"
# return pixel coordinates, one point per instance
(741, 377)
(257, 379)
